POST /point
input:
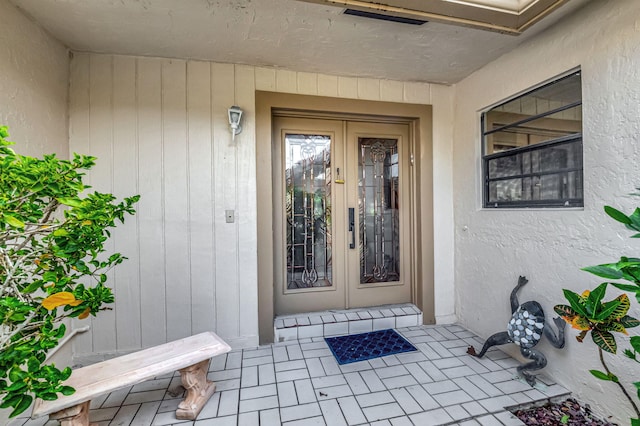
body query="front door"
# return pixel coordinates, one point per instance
(342, 219)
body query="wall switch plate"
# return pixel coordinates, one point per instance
(230, 215)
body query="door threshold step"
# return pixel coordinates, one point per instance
(337, 322)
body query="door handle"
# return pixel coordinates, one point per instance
(352, 228)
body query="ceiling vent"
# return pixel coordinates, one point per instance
(381, 17)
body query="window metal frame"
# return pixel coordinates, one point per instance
(560, 202)
(574, 137)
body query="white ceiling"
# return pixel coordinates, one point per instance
(282, 33)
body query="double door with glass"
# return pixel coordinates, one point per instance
(342, 217)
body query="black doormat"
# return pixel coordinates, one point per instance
(360, 347)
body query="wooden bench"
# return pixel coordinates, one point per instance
(190, 356)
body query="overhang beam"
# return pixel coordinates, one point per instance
(504, 16)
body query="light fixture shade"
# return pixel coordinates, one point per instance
(235, 118)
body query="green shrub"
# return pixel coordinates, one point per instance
(52, 265)
(588, 314)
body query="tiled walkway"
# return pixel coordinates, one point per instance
(299, 383)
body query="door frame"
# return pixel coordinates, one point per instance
(419, 118)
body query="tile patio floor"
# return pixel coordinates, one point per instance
(299, 383)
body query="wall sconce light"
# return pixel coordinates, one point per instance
(235, 117)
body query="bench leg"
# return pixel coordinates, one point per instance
(199, 390)
(78, 415)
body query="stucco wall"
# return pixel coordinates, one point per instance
(34, 76)
(159, 129)
(493, 247)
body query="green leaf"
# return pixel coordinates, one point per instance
(16, 375)
(16, 223)
(597, 294)
(629, 322)
(607, 309)
(24, 403)
(617, 215)
(604, 340)
(35, 285)
(10, 400)
(33, 365)
(604, 271)
(622, 309)
(61, 331)
(575, 302)
(48, 396)
(635, 220)
(66, 373)
(565, 311)
(16, 386)
(565, 419)
(635, 422)
(17, 317)
(71, 202)
(635, 343)
(67, 390)
(600, 375)
(626, 287)
(612, 326)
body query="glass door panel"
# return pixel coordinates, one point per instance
(378, 187)
(308, 210)
(308, 248)
(378, 184)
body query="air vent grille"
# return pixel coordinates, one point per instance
(380, 16)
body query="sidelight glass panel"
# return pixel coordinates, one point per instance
(378, 172)
(308, 211)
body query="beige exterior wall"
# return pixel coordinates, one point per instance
(549, 246)
(159, 128)
(34, 76)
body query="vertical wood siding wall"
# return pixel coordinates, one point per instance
(159, 128)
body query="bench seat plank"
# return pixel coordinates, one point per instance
(137, 367)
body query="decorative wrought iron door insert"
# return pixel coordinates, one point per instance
(378, 203)
(308, 210)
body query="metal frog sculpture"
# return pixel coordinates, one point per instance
(525, 329)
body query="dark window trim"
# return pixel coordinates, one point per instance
(561, 202)
(577, 137)
(566, 203)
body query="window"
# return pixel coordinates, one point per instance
(532, 148)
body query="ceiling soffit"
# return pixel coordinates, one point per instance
(503, 16)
